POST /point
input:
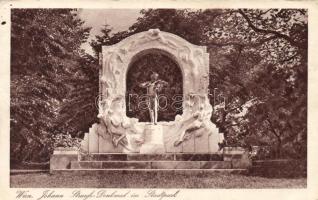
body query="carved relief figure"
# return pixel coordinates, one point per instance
(118, 125)
(199, 113)
(194, 60)
(112, 71)
(151, 35)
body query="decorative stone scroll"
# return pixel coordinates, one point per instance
(192, 131)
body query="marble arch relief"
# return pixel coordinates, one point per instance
(191, 132)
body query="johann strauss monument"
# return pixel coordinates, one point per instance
(191, 133)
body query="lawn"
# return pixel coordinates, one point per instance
(153, 180)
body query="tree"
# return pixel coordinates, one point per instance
(269, 47)
(78, 109)
(45, 60)
(180, 22)
(104, 38)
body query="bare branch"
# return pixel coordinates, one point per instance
(256, 44)
(263, 13)
(289, 58)
(256, 29)
(273, 129)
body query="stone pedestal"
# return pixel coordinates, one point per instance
(238, 156)
(62, 158)
(153, 140)
(98, 163)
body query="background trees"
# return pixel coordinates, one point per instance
(47, 67)
(258, 74)
(268, 51)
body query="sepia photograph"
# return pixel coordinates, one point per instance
(157, 98)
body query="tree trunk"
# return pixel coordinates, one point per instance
(278, 147)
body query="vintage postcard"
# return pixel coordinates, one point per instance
(158, 100)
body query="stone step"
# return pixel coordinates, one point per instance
(153, 172)
(150, 157)
(151, 165)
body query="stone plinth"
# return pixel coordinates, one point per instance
(153, 134)
(238, 156)
(62, 158)
(150, 157)
(99, 163)
(151, 165)
(153, 140)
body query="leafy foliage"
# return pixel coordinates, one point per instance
(47, 65)
(268, 51)
(66, 140)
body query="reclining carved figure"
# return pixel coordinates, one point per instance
(117, 124)
(199, 119)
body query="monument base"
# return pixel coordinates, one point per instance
(107, 162)
(153, 140)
